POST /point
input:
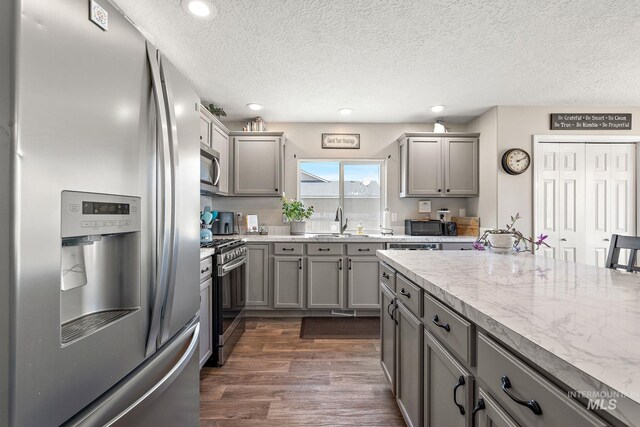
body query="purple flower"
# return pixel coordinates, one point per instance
(541, 239)
(478, 246)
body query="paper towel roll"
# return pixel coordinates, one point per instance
(386, 220)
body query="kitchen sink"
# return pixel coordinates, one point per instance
(339, 236)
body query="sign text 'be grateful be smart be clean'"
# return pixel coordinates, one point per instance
(602, 121)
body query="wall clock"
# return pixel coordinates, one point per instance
(515, 161)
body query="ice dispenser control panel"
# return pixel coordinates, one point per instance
(92, 213)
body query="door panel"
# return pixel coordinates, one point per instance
(409, 366)
(288, 281)
(257, 275)
(461, 166)
(86, 123)
(183, 295)
(363, 282)
(388, 335)
(257, 165)
(425, 166)
(325, 283)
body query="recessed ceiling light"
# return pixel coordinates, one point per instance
(254, 106)
(345, 111)
(437, 108)
(199, 8)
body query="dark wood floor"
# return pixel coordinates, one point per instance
(274, 378)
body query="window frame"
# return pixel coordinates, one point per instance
(342, 161)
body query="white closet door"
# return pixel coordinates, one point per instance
(610, 197)
(560, 203)
(548, 197)
(572, 201)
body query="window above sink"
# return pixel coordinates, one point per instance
(356, 185)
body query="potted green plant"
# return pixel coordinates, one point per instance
(508, 240)
(296, 215)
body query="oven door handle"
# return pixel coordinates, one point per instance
(224, 269)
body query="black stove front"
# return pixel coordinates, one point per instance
(229, 297)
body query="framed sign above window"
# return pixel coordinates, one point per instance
(341, 140)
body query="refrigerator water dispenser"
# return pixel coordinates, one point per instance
(100, 262)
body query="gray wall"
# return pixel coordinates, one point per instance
(6, 53)
(486, 205)
(377, 141)
(514, 128)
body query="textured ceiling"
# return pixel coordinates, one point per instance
(391, 60)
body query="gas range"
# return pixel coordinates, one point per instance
(226, 250)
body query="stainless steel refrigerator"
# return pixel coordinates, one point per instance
(99, 233)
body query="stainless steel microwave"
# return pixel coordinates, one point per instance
(209, 170)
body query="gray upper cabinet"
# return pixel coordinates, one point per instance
(424, 166)
(409, 366)
(205, 128)
(460, 166)
(388, 335)
(325, 284)
(362, 287)
(257, 275)
(448, 387)
(288, 282)
(438, 165)
(258, 163)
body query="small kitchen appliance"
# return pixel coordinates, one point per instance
(224, 224)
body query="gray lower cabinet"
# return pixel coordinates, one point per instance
(488, 413)
(257, 275)
(258, 163)
(409, 366)
(448, 387)
(206, 344)
(388, 335)
(325, 283)
(288, 282)
(362, 287)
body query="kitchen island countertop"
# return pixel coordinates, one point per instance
(579, 323)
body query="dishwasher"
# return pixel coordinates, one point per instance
(415, 246)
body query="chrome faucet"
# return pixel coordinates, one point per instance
(339, 215)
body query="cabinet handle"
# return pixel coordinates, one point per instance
(324, 249)
(606, 240)
(363, 250)
(406, 294)
(436, 322)
(287, 249)
(276, 190)
(480, 406)
(340, 264)
(531, 404)
(459, 384)
(390, 313)
(448, 190)
(393, 311)
(385, 275)
(439, 190)
(299, 263)
(563, 240)
(204, 271)
(349, 263)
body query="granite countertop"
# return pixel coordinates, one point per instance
(373, 238)
(309, 238)
(579, 323)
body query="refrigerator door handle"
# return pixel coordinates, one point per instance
(173, 139)
(113, 407)
(164, 204)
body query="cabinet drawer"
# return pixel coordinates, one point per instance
(324, 249)
(288, 248)
(206, 267)
(363, 248)
(410, 294)
(387, 276)
(503, 373)
(451, 329)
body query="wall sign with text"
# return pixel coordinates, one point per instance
(599, 121)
